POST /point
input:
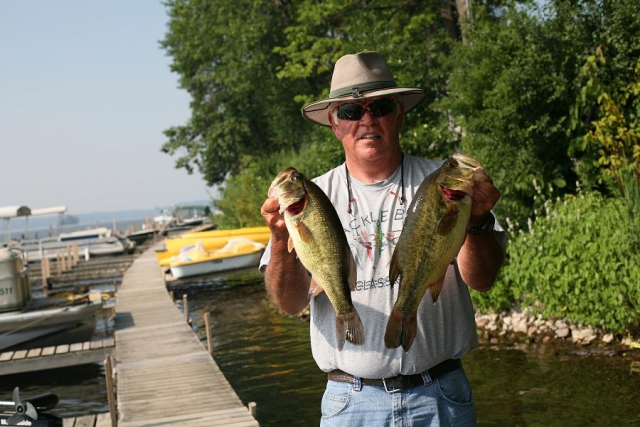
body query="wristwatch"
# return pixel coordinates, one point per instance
(485, 228)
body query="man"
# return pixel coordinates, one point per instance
(371, 385)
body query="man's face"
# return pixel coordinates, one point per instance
(368, 133)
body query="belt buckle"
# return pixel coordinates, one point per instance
(390, 391)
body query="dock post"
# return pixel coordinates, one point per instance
(69, 257)
(44, 266)
(208, 331)
(113, 412)
(63, 264)
(253, 408)
(185, 306)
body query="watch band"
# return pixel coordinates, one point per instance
(485, 228)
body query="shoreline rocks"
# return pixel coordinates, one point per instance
(521, 326)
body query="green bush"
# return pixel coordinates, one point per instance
(245, 192)
(577, 262)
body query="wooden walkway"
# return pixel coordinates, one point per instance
(64, 355)
(99, 420)
(164, 375)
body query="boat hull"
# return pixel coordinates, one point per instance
(216, 265)
(61, 325)
(238, 253)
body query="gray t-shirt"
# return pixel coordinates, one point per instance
(445, 330)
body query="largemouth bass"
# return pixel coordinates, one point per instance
(434, 231)
(317, 235)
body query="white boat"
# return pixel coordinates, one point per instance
(90, 242)
(236, 254)
(52, 326)
(94, 242)
(27, 322)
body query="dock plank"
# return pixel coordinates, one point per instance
(162, 367)
(39, 359)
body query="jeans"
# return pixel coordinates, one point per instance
(445, 401)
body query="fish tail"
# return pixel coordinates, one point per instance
(401, 330)
(349, 327)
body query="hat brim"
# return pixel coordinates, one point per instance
(318, 112)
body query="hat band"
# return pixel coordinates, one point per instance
(360, 90)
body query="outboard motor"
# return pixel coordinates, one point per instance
(29, 412)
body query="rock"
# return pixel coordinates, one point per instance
(482, 322)
(532, 330)
(521, 326)
(560, 324)
(507, 321)
(607, 339)
(563, 332)
(582, 334)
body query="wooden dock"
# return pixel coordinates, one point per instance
(64, 355)
(99, 420)
(164, 375)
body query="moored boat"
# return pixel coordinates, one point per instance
(238, 253)
(210, 240)
(41, 327)
(93, 242)
(27, 322)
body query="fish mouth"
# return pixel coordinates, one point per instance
(296, 208)
(453, 195)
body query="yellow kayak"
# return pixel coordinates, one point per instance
(210, 240)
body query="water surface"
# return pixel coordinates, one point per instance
(267, 359)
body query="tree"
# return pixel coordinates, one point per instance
(514, 85)
(223, 52)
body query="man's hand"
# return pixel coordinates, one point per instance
(485, 196)
(270, 211)
(286, 279)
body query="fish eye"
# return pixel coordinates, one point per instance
(294, 177)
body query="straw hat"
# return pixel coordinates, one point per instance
(361, 76)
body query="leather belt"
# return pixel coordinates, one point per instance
(400, 381)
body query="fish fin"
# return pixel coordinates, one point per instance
(353, 274)
(349, 327)
(448, 221)
(314, 289)
(401, 330)
(290, 244)
(305, 234)
(395, 269)
(435, 288)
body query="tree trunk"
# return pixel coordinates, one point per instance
(464, 17)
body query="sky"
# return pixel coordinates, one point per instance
(85, 95)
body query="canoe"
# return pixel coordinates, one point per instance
(239, 252)
(210, 240)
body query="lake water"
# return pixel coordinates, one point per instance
(267, 359)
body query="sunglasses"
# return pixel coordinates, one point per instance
(377, 108)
